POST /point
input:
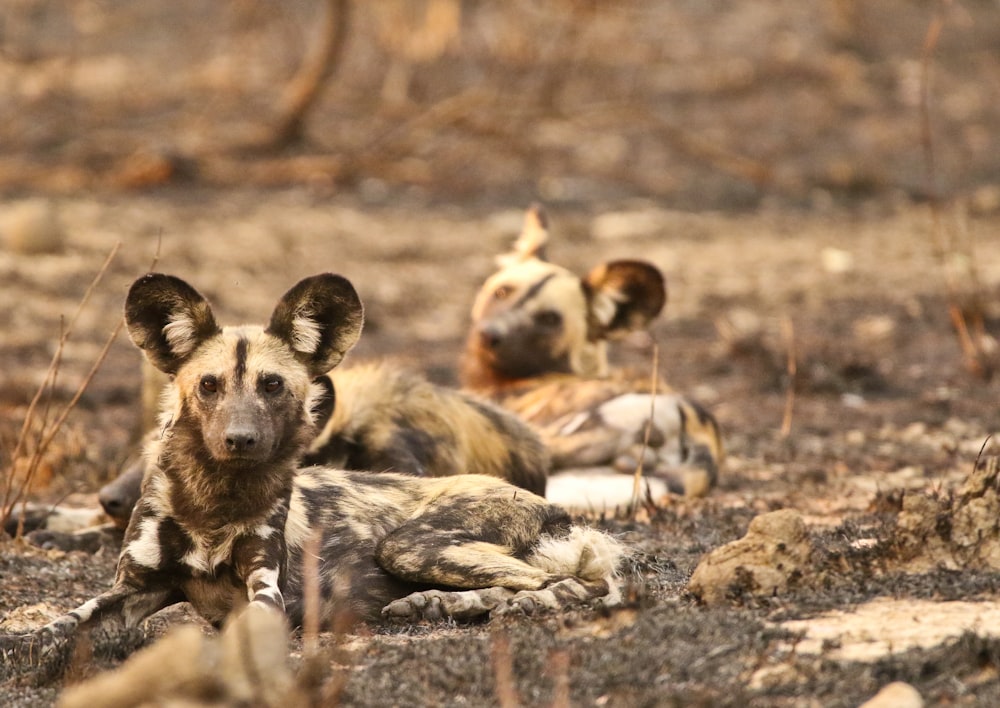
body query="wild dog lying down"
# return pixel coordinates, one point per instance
(374, 417)
(386, 418)
(538, 346)
(226, 513)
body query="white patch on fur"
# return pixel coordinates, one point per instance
(145, 549)
(306, 332)
(264, 531)
(84, 611)
(297, 528)
(598, 489)
(205, 557)
(585, 553)
(70, 520)
(630, 411)
(180, 334)
(603, 308)
(267, 577)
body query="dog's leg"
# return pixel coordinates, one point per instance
(259, 559)
(476, 542)
(467, 544)
(422, 552)
(48, 650)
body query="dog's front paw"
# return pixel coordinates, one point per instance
(436, 605)
(424, 605)
(527, 602)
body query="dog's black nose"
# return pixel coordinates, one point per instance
(114, 505)
(490, 336)
(240, 440)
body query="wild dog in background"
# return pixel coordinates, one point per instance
(538, 347)
(386, 418)
(227, 514)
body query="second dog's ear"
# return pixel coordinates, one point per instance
(320, 319)
(167, 319)
(533, 239)
(624, 295)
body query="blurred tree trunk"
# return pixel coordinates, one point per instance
(318, 65)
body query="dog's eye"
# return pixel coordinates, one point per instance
(272, 384)
(209, 384)
(548, 318)
(502, 293)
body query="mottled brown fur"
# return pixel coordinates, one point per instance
(386, 418)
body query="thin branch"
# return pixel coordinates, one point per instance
(559, 666)
(318, 66)
(310, 596)
(10, 495)
(503, 672)
(637, 478)
(788, 332)
(58, 423)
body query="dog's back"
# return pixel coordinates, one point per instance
(386, 418)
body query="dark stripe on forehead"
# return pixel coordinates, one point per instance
(240, 370)
(533, 290)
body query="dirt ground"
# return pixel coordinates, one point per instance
(831, 257)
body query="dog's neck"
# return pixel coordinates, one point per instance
(203, 494)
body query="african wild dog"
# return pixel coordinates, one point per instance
(538, 347)
(371, 417)
(226, 514)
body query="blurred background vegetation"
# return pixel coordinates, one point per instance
(697, 103)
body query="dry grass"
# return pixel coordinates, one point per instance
(41, 422)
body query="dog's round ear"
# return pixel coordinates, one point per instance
(624, 295)
(320, 319)
(167, 319)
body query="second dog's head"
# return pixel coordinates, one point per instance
(533, 317)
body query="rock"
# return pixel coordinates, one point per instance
(763, 563)
(954, 532)
(895, 695)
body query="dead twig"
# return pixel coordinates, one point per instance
(310, 596)
(788, 331)
(503, 672)
(318, 66)
(46, 432)
(43, 446)
(637, 479)
(559, 666)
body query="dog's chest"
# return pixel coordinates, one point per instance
(206, 557)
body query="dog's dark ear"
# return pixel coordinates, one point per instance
(624, 295)
(167, 319)
(320, 318)
(324, 400)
